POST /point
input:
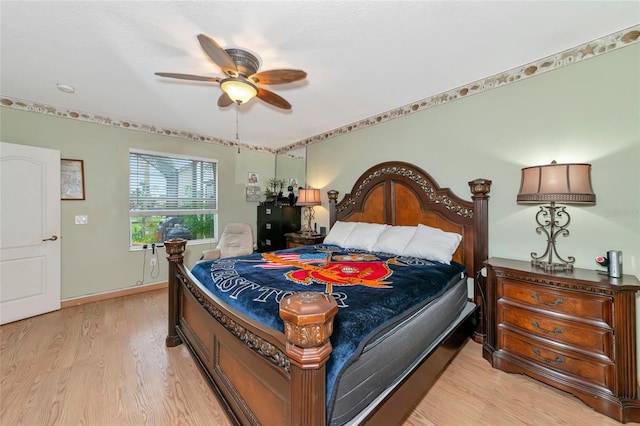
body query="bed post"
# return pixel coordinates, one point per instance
(333, 199)
(308, 324)
(480, 194)
(175, 250)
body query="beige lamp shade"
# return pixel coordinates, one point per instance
(560, 183)
(308, 197)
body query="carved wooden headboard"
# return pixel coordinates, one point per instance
(399, 193)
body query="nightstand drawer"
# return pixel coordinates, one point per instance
(582, 307)
(584, 368)
(292, 244)
(596, 341)
(299, 239)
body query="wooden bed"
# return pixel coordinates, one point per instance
(263, 376)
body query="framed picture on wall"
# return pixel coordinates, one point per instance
(293, 182)
(71, 179)
(253, 193)
(252, 179)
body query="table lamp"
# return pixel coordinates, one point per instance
(555, 183)
(308, 198)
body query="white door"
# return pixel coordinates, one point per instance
(29, 231)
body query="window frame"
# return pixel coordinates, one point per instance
(169, 212)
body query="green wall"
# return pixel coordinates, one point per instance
(96, 257)
(586, 112)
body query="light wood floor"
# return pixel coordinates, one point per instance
(105, 363)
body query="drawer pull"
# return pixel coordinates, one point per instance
(556, 331)
(558, 301)
(558, 360)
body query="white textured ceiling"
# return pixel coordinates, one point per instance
(362, 57)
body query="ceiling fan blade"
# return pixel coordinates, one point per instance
(218, 55)
(188, 76)
(224, 100)
(273, 99)
(278, 76)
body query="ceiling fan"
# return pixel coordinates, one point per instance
(243, 80)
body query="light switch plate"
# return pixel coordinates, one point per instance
(82, 219)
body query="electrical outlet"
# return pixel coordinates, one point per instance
(153, 261)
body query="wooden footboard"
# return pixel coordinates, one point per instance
(265, 377)
(260, 375)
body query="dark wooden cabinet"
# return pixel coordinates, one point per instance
(573, 330)
(299, 239)
(273, 223)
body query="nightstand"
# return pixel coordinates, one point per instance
(298, 239)
(573, 330)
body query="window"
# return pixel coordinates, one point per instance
(171, 196)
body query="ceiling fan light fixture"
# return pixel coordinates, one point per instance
(241, 69)
(239, 90)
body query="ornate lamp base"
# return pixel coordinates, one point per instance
(551, 267)
(308, 215)
(548, 219)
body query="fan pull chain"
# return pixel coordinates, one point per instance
(237, 137)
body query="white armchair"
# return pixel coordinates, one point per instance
(236, 240)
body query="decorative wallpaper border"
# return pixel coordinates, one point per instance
(560, 60)
(585, 51)
(41, 108)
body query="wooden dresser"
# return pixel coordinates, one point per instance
(574, 330)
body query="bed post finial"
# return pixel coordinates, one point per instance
(175, 251)
(480, 194)
(333, 199)
(308, 324)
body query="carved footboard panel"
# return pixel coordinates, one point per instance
(264, 377)
(261, 376)
(221, 348)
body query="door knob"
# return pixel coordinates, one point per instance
(52, 238)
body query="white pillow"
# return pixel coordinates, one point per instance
(433, 244)
(394, 239)
(364, 235)
(339, 233)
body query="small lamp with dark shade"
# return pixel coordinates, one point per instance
(555, 183)
(308, 198)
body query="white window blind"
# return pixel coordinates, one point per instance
(160, 184)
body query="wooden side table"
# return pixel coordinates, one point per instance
(298, 239)
(573, 330)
